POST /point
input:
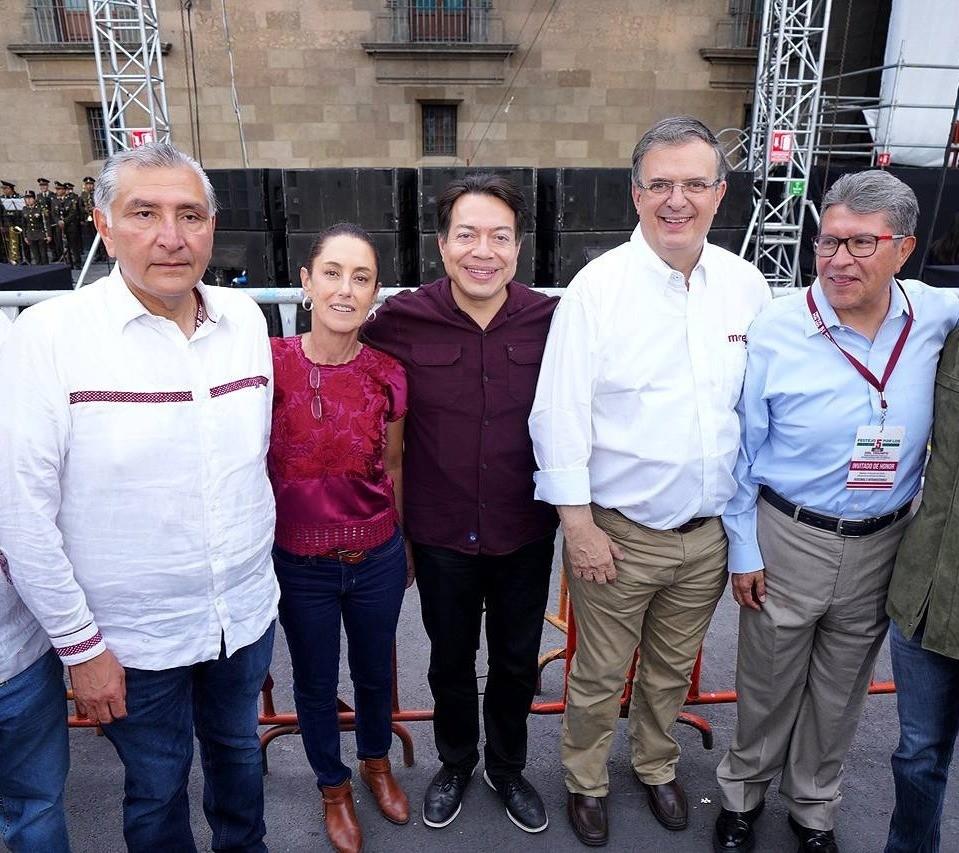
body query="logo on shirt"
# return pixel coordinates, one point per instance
(735, 339)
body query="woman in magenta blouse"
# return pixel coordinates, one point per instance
(335, 464)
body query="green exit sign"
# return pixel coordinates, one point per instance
(797, 187)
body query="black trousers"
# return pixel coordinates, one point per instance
(453, 589)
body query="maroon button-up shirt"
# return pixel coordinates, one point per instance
(468, 459)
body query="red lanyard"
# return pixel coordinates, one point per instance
(865, 372)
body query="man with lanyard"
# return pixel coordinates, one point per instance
(836, 412)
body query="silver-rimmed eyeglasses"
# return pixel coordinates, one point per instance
(694, 187)
(859, 245)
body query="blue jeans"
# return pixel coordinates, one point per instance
(218, 699)
(927, 694)
(315, 593)
(34, 757)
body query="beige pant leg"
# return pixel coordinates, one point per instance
(676, 622)
(609, 622)
(848, 639)
(775, 646)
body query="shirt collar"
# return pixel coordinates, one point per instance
(897, 306)
(511, 306)
(125, 307)
(650, 259)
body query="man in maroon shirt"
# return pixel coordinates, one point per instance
(472, 344)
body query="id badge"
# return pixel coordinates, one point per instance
(875, 458)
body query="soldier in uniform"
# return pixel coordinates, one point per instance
(86, 214)
(36, 230)
(59, 246)
(9, 222)
(69, 215)
(45, 197)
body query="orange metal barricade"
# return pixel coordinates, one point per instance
(283, 723)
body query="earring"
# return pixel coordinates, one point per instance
(307, 302)
(372, 314)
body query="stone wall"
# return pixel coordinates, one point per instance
(312, 95)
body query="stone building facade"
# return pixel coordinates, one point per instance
(382, 82)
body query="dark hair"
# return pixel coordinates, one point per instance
(482, 183)
(340, 229)
(946, 249)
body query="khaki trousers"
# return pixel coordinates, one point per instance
(665, 592)
(804, 665)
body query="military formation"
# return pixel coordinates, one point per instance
(44, 227)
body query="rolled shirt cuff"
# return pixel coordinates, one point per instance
(80, 646)
(562, 486)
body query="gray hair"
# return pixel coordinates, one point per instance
(157, 155)
(675, 131)
(876, 191)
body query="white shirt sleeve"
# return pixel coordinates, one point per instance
(34, 435)
(560, 422)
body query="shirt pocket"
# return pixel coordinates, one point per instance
(436, 379)
(522, 369)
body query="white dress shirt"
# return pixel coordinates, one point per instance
(22, 640)
(135, 509)
(635, 406)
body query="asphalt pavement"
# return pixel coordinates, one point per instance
(293, 809)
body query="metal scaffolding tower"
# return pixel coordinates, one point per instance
(789, 76)
(126, 44)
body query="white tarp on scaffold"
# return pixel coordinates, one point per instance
(924, 32)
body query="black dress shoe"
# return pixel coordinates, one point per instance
(444, 797)
(523, 805)
(813, 840)
(587, 816)
(734, 830)
(667, 802)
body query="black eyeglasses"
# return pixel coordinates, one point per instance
(316, 404)
(694, 187)
(859, 245)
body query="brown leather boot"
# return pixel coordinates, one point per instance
(341, 824)
(376, 774)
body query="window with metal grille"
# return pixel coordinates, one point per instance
(439, 130)
(98, 133)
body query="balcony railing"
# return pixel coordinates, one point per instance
(57, 22)
(438, 22)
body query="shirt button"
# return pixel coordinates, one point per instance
(511, 347)
(483, 505)
(486, 422)
(485, 378)
(484, 466)
(472, 537)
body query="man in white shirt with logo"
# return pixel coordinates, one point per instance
(34, 754)
(635, 434)
(135, 511)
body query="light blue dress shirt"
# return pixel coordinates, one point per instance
(802, 403)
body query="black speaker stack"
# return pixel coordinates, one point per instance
(249, 244)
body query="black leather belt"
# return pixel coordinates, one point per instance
(842, 526)
(692, 524)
